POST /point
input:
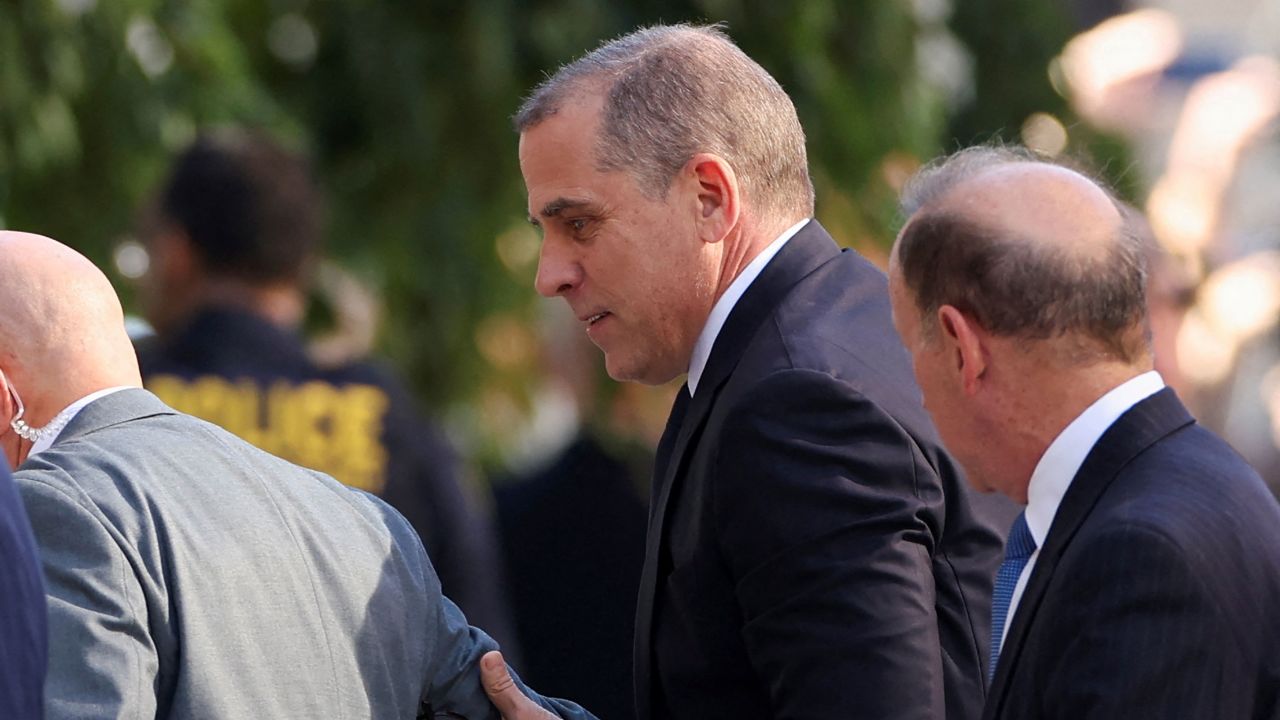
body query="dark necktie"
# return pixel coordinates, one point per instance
(669, 435)
(1017, 550)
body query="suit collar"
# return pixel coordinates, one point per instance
(724, 306)
(1145, 424)
(1066, 454)
(123, 406)
(805, 252)
(59, 422)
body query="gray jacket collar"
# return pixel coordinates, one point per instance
(116, 408)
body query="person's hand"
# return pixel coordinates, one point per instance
(503, 692)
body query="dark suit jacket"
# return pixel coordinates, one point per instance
(1157, 591)
(24, 639)
(811, 551)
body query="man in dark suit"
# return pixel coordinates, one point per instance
(811, 550)
(24, 640)
(1142, 579)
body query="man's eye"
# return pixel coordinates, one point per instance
(578, 224)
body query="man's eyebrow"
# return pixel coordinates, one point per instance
(559, 205)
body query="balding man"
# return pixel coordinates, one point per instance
(1142, 578)
(189, 574)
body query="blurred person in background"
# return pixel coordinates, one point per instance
(573, 527)
(233, 241)
(24, 638)
(812, 552)
(1194, 89)
(1171, 293)
(1141, 580)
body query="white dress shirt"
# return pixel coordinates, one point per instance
(1063, 458)
(724, 306)
(68, 413)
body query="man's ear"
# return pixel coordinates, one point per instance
(10, 443)
(8, 408)
(719, 202)
(965, 341)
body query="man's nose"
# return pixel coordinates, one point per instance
(558, 271)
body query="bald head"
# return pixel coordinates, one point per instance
(1029, 249)
(1054, 207)
(62, 330)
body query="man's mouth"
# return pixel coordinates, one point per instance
(593, 319)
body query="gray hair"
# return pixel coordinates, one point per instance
(676, 90)
(1013, 287)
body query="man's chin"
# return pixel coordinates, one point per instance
(623, 371)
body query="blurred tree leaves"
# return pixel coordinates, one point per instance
(1013, 44)
(404, 108)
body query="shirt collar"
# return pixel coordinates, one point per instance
(1060, 462)
(60, 421)
(720, 312)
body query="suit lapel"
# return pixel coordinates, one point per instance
(805, 252)
(1139, 428)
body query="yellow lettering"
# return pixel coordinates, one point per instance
(336, 430)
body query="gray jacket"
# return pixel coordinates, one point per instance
(191, 575)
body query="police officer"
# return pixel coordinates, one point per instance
(232, 240)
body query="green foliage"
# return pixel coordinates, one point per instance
(404, 108)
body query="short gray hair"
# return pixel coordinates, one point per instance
(673, 91)
(1013, 287)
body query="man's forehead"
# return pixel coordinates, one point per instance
(556, 154)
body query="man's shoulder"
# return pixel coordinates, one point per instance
(834, 328)
(837, 318)
(176, 469)
(1189, 476)
(1192, 494)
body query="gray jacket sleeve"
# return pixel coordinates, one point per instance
(102, 660)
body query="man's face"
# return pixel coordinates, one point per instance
(936, 374)
(166, 289)
(632, 268)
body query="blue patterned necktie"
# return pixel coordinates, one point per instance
(1017, 550)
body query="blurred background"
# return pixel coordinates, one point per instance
(403, 108)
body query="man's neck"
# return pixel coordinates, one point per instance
(281, 304)
(1049, 402)
(744, 245)
(728, 296)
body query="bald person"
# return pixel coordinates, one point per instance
(1141, 580)
(189, 574)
